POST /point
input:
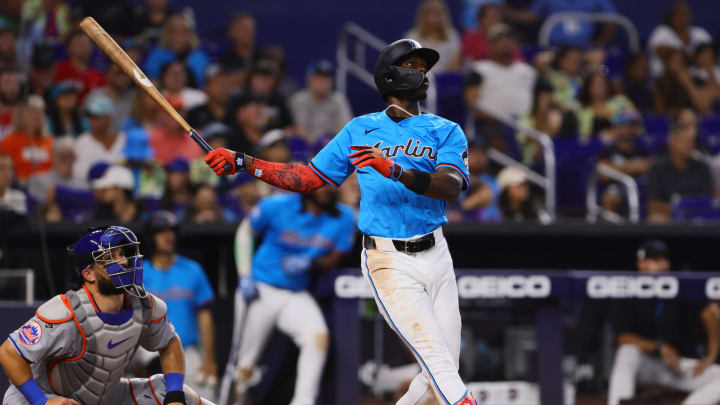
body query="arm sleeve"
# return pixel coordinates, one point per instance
(159, 332)
(453, 153)
(203, 291)
(332, 163)
(37, 340)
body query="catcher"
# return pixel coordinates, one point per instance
(75, 350)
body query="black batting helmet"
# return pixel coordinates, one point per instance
(389, 77)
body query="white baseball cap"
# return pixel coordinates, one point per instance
(115, 176)
(511, 176)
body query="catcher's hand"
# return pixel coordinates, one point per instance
(368, 156)
(218, 158)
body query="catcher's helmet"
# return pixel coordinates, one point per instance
(125, 268)
(389, 77)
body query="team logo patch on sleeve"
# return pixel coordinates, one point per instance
(30, 333)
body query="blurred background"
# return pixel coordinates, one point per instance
(594, 145)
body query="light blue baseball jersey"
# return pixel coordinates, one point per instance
(387, 208)
(185, 288)
(293, 237)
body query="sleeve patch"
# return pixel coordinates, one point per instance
(30, 333)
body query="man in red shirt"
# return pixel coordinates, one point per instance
(76, 68)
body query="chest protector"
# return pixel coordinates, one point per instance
(106, 351)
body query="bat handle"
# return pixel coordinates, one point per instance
(204, 145)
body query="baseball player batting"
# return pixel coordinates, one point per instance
(76, 348)
(300, 233)
(409, 166)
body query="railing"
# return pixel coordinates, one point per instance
(359, 40)
(28, 275)
(546, 181)
(619, 19)
(633, 195)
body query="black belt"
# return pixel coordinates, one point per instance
(405, 246)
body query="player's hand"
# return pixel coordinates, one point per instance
(218, 158)
(368, 156)
(670, 356)
(248, 289)
(61, 401)
(701, 365)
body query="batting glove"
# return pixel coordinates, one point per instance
(248, 289)
(218, 158)
(373, 157)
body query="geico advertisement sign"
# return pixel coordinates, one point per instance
(632, 287)
(537, 286)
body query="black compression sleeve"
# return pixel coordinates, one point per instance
(421, 181)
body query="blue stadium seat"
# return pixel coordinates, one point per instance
(709, 133)
(656, 128)
(450, 100)
(74, 203)
(697, 209)
(575, 162)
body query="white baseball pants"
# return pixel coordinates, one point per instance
(417, 294)
(297, 315)
(635, 365)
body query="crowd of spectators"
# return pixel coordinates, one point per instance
(78, 142)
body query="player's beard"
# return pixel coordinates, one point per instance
(107, 287)
(412, 95)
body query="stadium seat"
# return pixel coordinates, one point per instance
(74, 203)
(697, 209)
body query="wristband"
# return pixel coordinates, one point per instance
(395, 172)
(174, 382)
(33, 393)
(420, 183)
(239, 162)
(174, 396)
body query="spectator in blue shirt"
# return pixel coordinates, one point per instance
(570, 31)
(185, 288)
(178, 42)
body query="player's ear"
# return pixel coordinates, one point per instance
(88, 274)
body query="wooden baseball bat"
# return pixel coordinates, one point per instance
(108, 45)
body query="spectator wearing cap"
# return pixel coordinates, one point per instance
(433, 29)
(319, 110)
(29, 145)
(148, 175)
(177, 193)
(64, 113)
(118, 88)
(475, 42)
(262, 83)
(217, 135)
(174, 85)
(179, 41)
(11, 95)
(626, 152)
(12, 201)
(241, 51)
(515, 202)
(660, 342)
(114, 197)
(507, 83)
(41, 72)
(61, 172)
(170, 141)
(481, 202)
(215, 108)
(247, 121)
(678, 174)
(101, 143)
(76, 68)
(183, 285)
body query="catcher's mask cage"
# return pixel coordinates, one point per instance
(118, 250)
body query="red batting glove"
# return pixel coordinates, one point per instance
(218, 158)
(367, 156)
